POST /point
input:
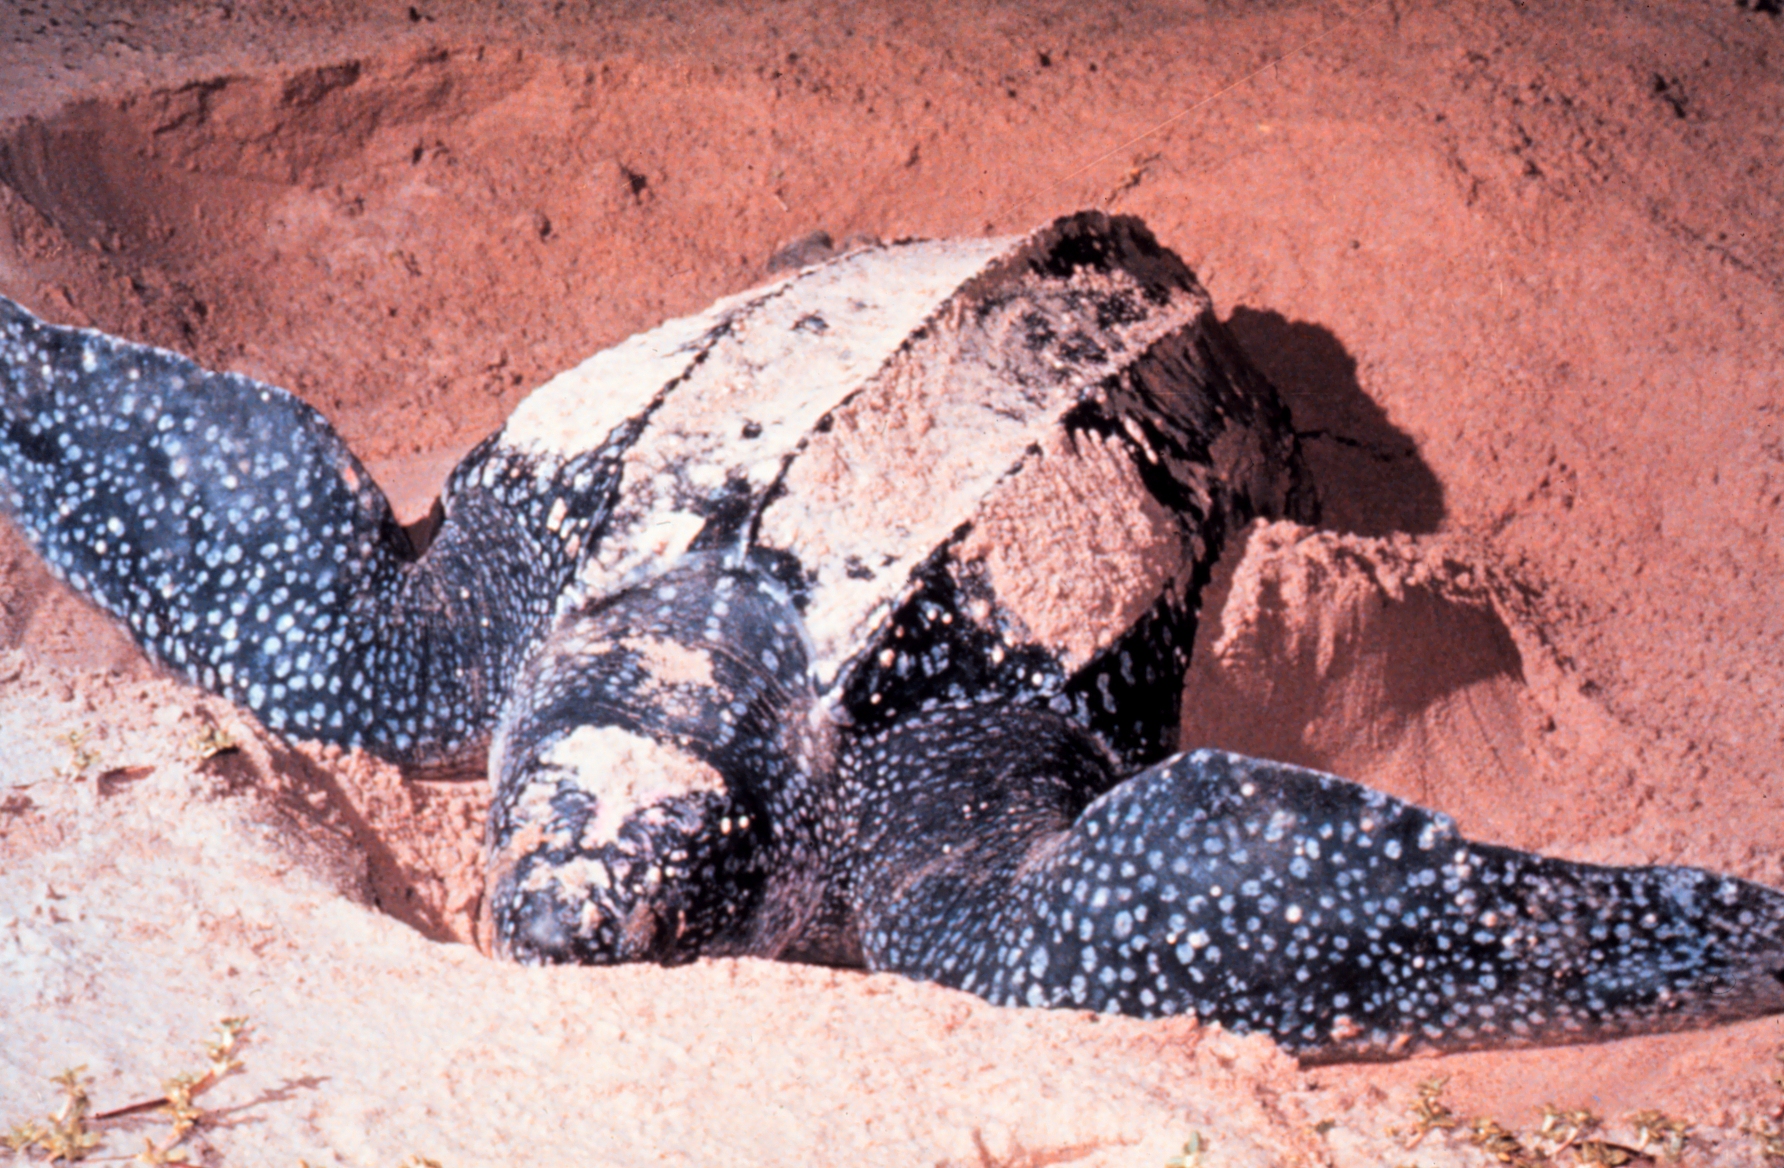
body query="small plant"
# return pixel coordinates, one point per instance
(1765, 1132)
(1501, 1143)
(1566, 1128)
(1604, 1152)
(65, 1136)
(1654, 1127)
(1768, 1136)
(1565, 1136)
(1189, 1157)
(212, 741)
(81, 757)
(1429, 1112)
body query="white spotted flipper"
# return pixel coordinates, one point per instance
(230, 527)
(1340, 921)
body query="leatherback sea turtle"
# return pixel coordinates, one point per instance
(779, 647)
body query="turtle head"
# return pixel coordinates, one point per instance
(608, 845)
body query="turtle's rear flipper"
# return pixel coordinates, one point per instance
(1341, 921)
(242, 542)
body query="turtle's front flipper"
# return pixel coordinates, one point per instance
(230, 527)
(1341, 921)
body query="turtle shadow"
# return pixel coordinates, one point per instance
(1332, 652)
(1369, 473)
